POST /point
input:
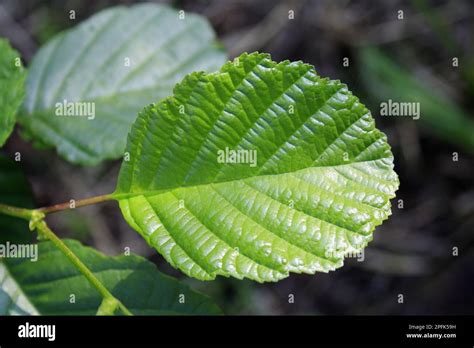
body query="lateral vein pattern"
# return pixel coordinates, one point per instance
(322, 181)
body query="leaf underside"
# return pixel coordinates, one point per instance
(12, 299)
(12, 77)
(321, 183)
(48, 284)
(118, 60)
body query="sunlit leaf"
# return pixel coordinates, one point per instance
(315, 181)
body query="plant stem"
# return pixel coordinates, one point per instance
(77, 204)
(108, 306)
(36, 217)
(26, 214)
(111, 302)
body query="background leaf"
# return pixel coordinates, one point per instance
(89, 64)
(387, 80)
(12, 91)
(49, 282)
(321, 184)
(12, 299)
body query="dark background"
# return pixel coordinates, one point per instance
(389, 58)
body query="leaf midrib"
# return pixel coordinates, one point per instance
(117, 195)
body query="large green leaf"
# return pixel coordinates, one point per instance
(48, 284)
(88, 64)
(14, 190)
(321, 184)
(12, 77)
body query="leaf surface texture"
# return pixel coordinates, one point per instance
(116, 62)
(320, 185)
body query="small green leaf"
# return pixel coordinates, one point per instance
(12, 77)
(106, 69)
(53, 286)
(320, 183)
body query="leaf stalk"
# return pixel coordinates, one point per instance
(75, 204)
(110, 303)
(22, 213)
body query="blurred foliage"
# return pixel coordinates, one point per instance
(386, 79)
(51, 22)
(14, 190)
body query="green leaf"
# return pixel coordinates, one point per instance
(12, 77)
(14, 190)
(12, 299)
(321, 183)
(49, 283)
(117, 61)
(45, 286)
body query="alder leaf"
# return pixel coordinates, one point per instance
(99, 74)
(321, 182)
(54, 286)
(12, 92)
